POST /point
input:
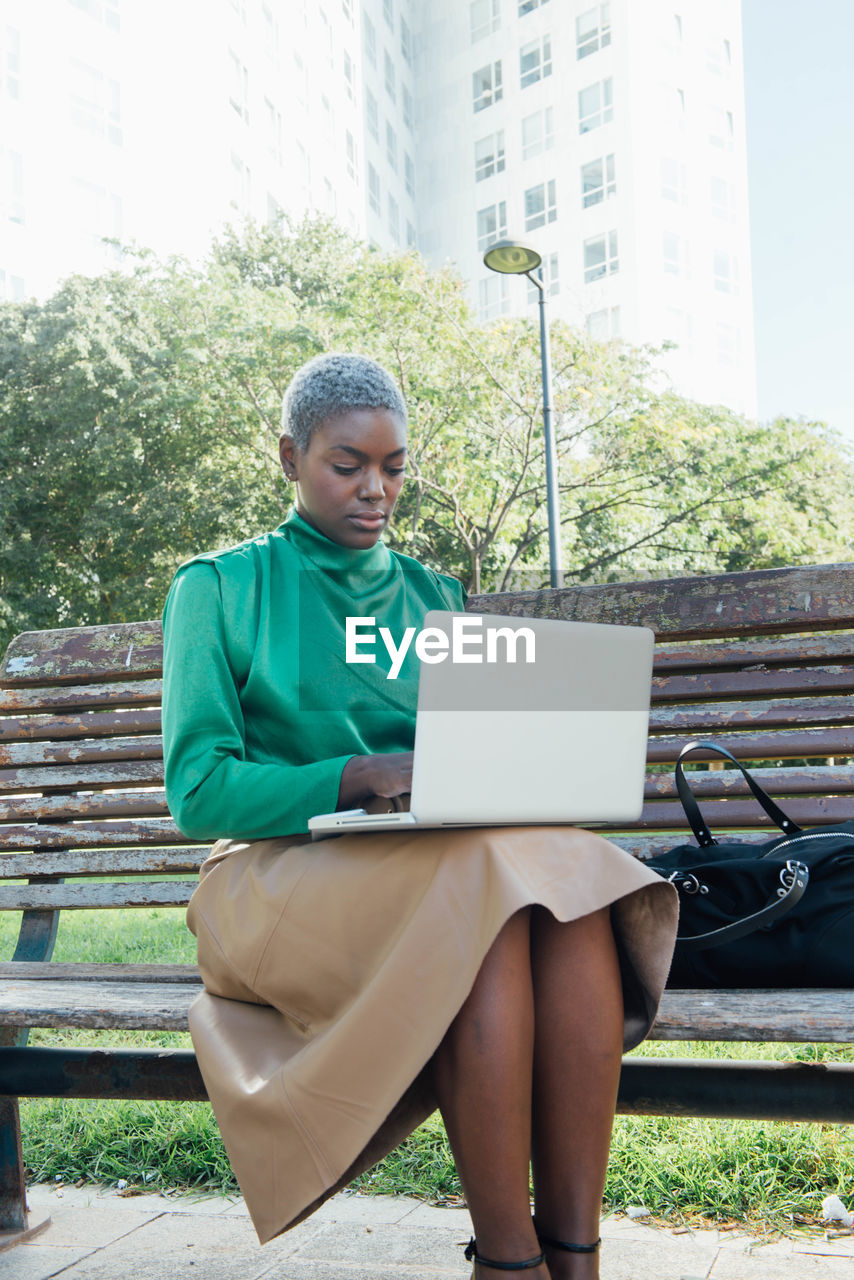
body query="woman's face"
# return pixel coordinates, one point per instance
(349, 477)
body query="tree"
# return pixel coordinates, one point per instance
(139, 417)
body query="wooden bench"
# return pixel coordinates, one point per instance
(763, 662)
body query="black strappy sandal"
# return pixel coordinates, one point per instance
(472, 1255)
(566, 1245)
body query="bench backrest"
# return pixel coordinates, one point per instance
(762, 662)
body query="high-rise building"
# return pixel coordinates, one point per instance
(608, 136)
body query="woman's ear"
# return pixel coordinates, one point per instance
(286, 456)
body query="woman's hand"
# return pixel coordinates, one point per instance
(366, 776)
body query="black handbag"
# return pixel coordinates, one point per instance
(778, 914)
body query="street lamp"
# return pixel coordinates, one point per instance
(511, 258)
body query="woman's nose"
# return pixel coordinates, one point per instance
(372, 485)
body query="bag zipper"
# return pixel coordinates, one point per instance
(811, 835)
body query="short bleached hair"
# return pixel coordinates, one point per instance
(332, 384)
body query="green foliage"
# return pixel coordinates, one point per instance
(139, 416)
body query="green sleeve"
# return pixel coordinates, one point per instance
(212, 789)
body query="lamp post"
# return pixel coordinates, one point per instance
(511, 258)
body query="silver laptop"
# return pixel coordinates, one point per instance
(522, 721)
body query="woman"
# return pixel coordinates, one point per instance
(355, 982)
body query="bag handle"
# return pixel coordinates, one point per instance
(762, 919)
(702, 833)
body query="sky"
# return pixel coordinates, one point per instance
(799, 91)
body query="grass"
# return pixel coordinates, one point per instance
(760, 1172)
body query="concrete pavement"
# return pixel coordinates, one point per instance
(97, 1234)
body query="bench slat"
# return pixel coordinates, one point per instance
(90, 724)
(126, 804)
(765, 602)
(98, 862)
(770, 744)
(808, 780)
(95, 751)
(84, 653)
(128, 1005)
(806, 811)
(706, 718)
(779, 1015)
(89, 777)
(814, 681)
(124, 693)
(782, 651)
(62, 971)
(92, 835)
(801, 1016)
(76, 897)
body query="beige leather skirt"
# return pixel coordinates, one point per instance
(333, 969)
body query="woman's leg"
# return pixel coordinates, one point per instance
(578, 1012)
(483, 1078)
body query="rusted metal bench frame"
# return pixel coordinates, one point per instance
(772, 678)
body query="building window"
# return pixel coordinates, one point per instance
(349, 77)
(600, 257)
(239, 7)
(674, 181)
(486, 85)
(604, 325)
(13, 63)
(537, 133)
(675, 254)
(540, 205)
(411, 237)
(95, 102)
(528, 6)
(390, 85)
(12, 207)
(347, 6)
(593, 30)
(391, 146)
(728, 343)
(372, 115)
(727, 53)
(106, 11)
(238, 94)
(721, 128)
(393, 219)
(677, 25)
(273, 130)
(370, 40)
(328, 117)
(489, 156)
(405, 40)
(595, 105)
(723, 199)
(597, 181)
(388, 13)
(484, 18)
(493, 296)
(373, 189)
(352, 171)
(409, 174)
(491, 224)
(271, 33)
(241, 182)
(535, 61)
(408, 108)
(725, 272)
(548, 273)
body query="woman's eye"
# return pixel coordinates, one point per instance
(346, 471)
(395, 471)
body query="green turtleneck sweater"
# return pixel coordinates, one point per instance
(260, 709)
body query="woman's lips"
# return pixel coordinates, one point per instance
(368, 519)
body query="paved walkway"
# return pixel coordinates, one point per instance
(98, 1235)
